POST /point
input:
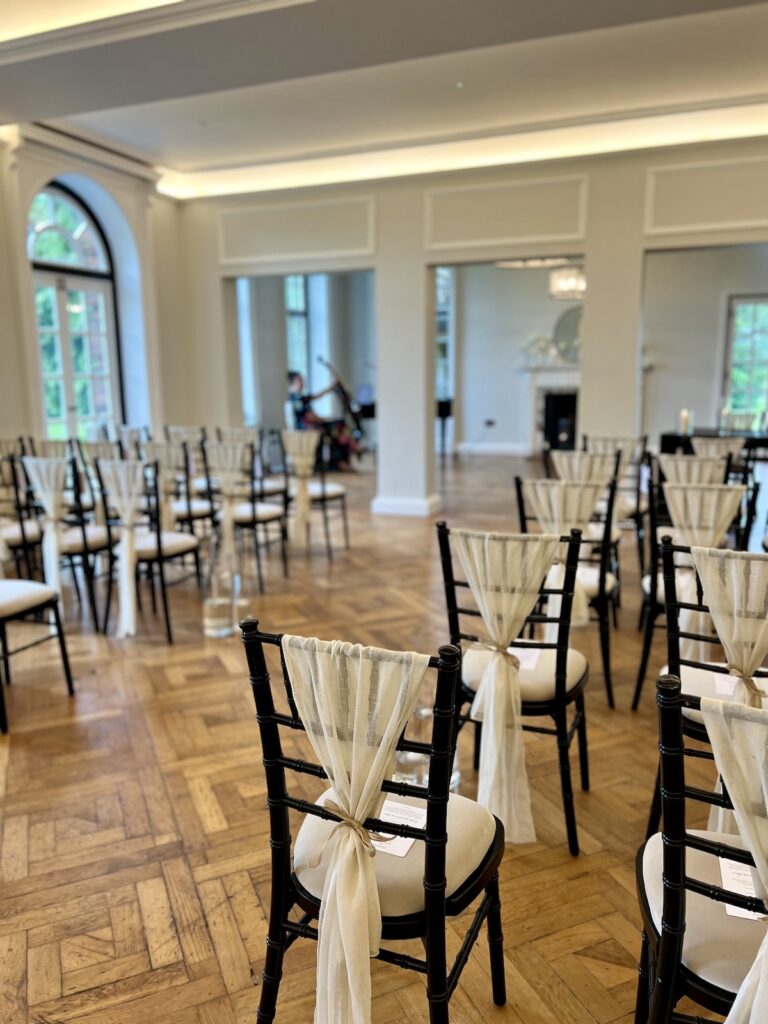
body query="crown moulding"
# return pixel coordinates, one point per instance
(173, 15)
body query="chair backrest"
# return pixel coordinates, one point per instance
(457, 606)
(11, 446)
(676, 840)
(703, 513)
(245, 435)
(589, 467)
(693, 469)
(710, 446)
(279, 768)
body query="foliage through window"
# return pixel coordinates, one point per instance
(443, 331)
(60, 233)
(297, 324)
(746, 375)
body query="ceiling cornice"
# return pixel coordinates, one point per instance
(128, 26)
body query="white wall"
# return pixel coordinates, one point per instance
(500, 311)
(685, 307)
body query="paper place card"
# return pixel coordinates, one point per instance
(414, 815)
(738, 878)
(724, 685)
(527, 656)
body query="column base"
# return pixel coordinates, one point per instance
(423, 507)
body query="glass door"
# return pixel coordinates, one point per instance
(76, 335)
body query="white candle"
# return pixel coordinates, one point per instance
(684, 421)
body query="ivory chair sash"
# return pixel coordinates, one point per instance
(718, 446)
(167, 459)
(225, 461)
(586, 467)
(693, 469)
(301, 448)
(739, 737)
(504, 572)
(47, 477)
(561, 506)
(735, 589)
(124, 485)
(355, 702)
(701, 515)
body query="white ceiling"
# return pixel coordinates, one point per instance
(339, 90)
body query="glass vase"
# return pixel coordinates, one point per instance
(223, 604)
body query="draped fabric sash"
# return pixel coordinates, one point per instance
(586, 467)
(226, 461)
(47, 477)
(165, 456)
(124, 483)
(561, 506)
(735, 588)
(354, 702)
(301, 448)
(718, 446)
(692, 469)
(504, 572)
(701, 515)
(739, 737)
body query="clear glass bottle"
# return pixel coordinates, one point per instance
(223, 605)
(411, 767)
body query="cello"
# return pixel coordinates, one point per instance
(350, 409)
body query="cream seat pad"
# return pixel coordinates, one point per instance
(22, 595)
(172, 544)
(96, 538)
(589, 577)
(12, 534)
(536, 683)
(264, 512)
(717, 947)
(400, 880)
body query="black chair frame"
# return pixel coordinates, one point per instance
(429, 925)
(557, 708)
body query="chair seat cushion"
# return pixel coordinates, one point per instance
(245, 512)
(680, 575)
(195, 508)
(717, 947)
(172, 543)
(471, 830)
(13, 537)
(594, 531)
(96, 539)
(86, 501)
(700, 682)
(319, 490)
(536, 684)
(18, 596)
(589, 577)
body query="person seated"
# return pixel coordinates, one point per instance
(342, 444)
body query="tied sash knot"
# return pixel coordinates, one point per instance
(754, 695)
(347, 821)
(488, 645)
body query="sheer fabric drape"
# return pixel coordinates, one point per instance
(739, 737)
(561, 506)
(586, 467)
(47, 477)
(124, 484)
(226, 462)
(504, 572)
(714, 446)
(354, 702)
(693, 469)
(301, 448)
(170, 460)
(735, 588)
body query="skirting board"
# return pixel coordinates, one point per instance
(423, 507)
(495, 448)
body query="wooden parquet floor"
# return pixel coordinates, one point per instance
(134, 862)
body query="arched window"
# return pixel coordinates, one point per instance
(75, 315)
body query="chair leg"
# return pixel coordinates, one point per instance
(257, 550)
(478, 741)
(63, 649)
(344, 520)
(88, 570)
(198, 568)
(650, 621)
(110, 581)
(151, 578)
(73, 568)
(654, 815)
(605, 649)
(164, 596)
(643, 615)
(565, 783)
(583, 752)
(5, 656)
(283, 545)
(327, 528)
(437, 980)
(138, 587)
(643, 981)
(3, 716)
(496, 943)
(273, 962)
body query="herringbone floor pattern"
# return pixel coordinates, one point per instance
(134, 863)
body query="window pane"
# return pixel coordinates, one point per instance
(99, 354)
(742, 348)
(79, 355)
(83, 398)
(102, 400)
(57, 431)
(45, 307)
(747, 381)
(53, 394)
(76, 311)
(52, 246)
(95, 314)
(761, 346)
(50, 354)
(61, 232)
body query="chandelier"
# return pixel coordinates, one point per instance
(567, 283)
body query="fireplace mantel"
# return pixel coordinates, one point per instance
(542, 379)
